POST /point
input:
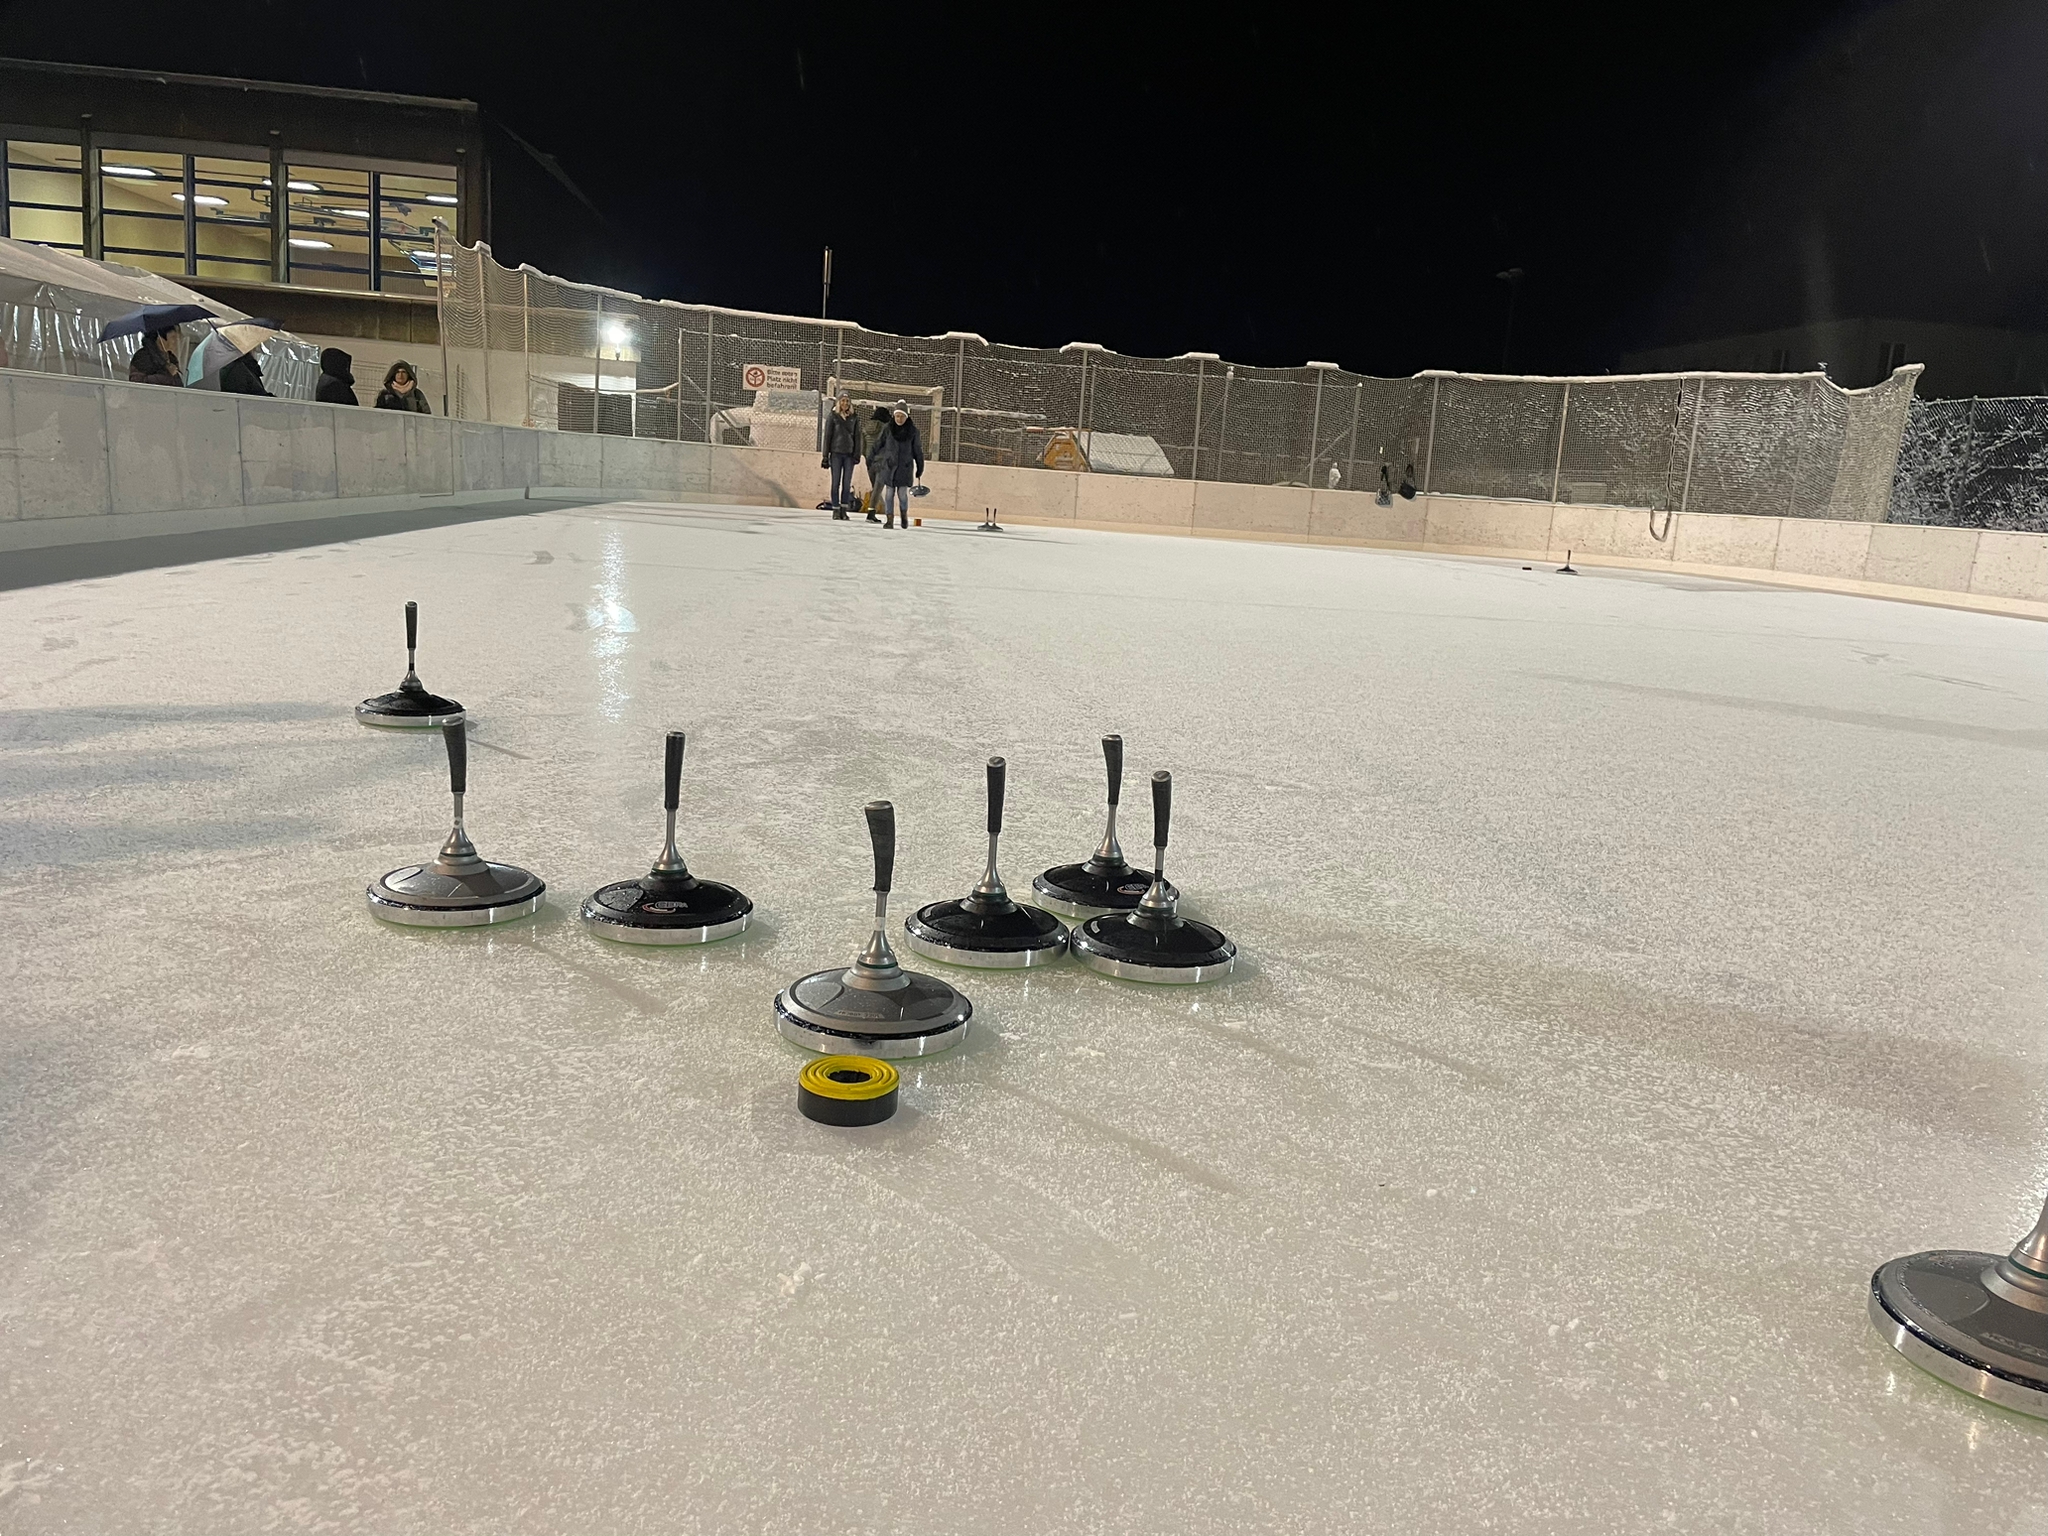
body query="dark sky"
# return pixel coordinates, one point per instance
(1269, 182)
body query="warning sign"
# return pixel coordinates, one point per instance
(767, 376)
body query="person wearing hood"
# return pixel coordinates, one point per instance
(902, 462)
(872, 432)
(337, 385)
(156, 361)
(244, 376)
(401, 391)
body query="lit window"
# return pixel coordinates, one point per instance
(231, 218)
(328, 228)
(44, 203)
(142, 220)
(407, 206)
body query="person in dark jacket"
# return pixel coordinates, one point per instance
(244, 376)
(337, 385)
(872, 432)
(156, 361)
(842, 451)
(401, 391)
(902, 460)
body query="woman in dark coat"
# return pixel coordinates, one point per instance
(872, 433)
(337, 385)
(401, 391)
(902, 460)
(156, 361)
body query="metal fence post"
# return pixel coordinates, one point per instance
(597, 371)
(1223, 428)
(710, 343)
(1699, 401)
(1315, 430)
(1564, 414)
(679, 383)
(483, 292)
(1351, 443)
(440, 300)
(1436, 387)
(959, 385)
(526, 340)
(1195, 464)
(1799, 452)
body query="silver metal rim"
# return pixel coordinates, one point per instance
(407, 722)
(626, 933)
(1064, 907)
(987, 959)
(887, 1047)
(451, 917)
(1165, 975)
(1957, 1373)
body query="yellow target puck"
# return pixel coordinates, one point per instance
(846, 1090)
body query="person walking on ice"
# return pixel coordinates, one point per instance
(901, 460)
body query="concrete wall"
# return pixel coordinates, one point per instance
(89, 459)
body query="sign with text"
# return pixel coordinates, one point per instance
(768, 376)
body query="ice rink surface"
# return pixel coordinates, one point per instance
(1631, 964)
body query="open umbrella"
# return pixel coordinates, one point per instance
(221, 346)
(153, 317)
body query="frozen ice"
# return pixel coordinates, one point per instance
(1630, 965)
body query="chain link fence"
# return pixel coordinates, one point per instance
(524, 348)
(1975, 464)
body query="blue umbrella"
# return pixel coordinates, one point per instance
(153, 317)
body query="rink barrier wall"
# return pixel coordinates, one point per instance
(89, 460)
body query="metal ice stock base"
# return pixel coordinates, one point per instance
(1154, 942)
(985, 928)
(874, 1007)
(1106, 881)
(409, 706)
(1977, 1321)
(668, 904)
(458, 889)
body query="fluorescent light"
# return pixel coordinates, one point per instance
(202, 200)
(442, 198)
(127, 170)
(351, 213)
(300, 186)
(311, 245)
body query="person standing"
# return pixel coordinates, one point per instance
(903, 464)
(337, 385)
(842, 451)
(156, 361)
(873, 434)
(401, 391)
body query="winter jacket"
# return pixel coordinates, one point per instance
(151, 366)
(337, 385)
(871, 433)
(414, 399)
(842, 434)
(901, 454)
(244, 376)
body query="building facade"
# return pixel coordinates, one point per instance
(239, 183)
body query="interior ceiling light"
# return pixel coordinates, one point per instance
(301, 186)
(202, 200)
(128, 170)
(442, 198)
(312, 245)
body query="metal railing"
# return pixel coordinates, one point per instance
(524, 348)
(1975, 464)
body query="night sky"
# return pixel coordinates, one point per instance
(1267, 182)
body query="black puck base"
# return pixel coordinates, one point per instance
(847, 1090)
